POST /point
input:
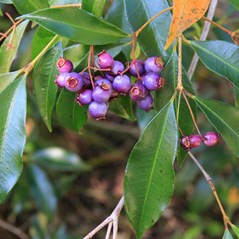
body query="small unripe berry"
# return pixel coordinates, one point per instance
(153, 81)
(117, 68)
(98, 110)
(147, 103)
(122, 84)
(105, 60)
(138, 65)
(84, 97)
(153, 64)
(211, 138)
(138, 92)
(64, 65)
(185, 142)
(61, 79)
(74, 82)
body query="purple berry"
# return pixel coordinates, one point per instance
(137, 66)
(153, 81)
(117, 68)
(122, 84)
(61, 79)
(86, 79)
(211, 138)
(98, 110)
(99, 78)
(84, 97)
(109, 77)
(103, 81)
(138, 92)
(64, 65)
(147, 103)
(154, 64)
(185, 142)
(74, 82)
(105, 60)
(102, 93)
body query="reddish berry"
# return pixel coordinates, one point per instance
(64, 65)
(211, 138)
(185, 142)
(153, 64)
(195, 140)
(105, 60)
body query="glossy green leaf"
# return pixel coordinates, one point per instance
(234, 3)
(236, 95)
(41, 38)
(59, 159)
(77, 25)
(236, 230)
(12, 134)
(224, 118)
(8, 53)
(96, 7)
(6, 1)
(63, 2)
(227, 235)
(69, 113)
(149, 179)
(122, 106)
(45, 89)
(6, 79)
(153, 38)
(219, 56)
(27, 6)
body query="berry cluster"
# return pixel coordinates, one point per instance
(193, 141)
(97, 91)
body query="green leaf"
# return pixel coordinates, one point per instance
(224, 118)
(69, 113)
(45, 89)
(96, 7)
(12, 134)
(122, 106)
(234, 3)
(6, 79)
(219, 56)
(77, 25)
(236, 230)
(227, 235)
(27, 6)
(63, 2)
(6, 1)
(59, 159)
(149, 179)
(236, 95)
(153, 38)
(7, 55)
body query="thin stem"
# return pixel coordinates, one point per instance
(203, 36)
(79, 5)
(213, 188)
(151, 19)
(180, 84)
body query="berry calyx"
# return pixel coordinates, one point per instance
(122, 84)
(105, 60)
(74, 82)
(154, 64)
(211, 139)
(138, 92)
(64, 65)
(147, 103)
(153, 81)
(98, 110)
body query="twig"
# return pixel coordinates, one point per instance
(203, 37)
(111, 221)
(14, 230)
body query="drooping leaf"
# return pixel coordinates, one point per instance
(45, 89)
(96, 7)
(227, 235)
(149, 179)
(6, 79)
(234, 3)
(153, 38)
(12, 134)
(69, 113)
(224, 118)
(10, 46)
(77, 25)
(236, 230)
(185, 14)
(27, 6)
(219, 56)
(59, 159)
(63, 2)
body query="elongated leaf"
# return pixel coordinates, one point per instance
(6, 79)
(6, 1)
(234, 3)
(45, 89)
(236, 230)
(69, 113)
(12, 134)
(8, 52)
(224, 118)
(220, 57)
(149, 178)
(96, 7)
(153, 38)
(27, 6)
(63, 2)
(227, 235)
(77, 25)
(185, 14)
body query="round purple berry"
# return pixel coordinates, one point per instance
(61, 79)
(74, 82)
(138, 92)
(122, 84)
(84, 97)
(64, 65)
(154, 64)
(102, 93)
(117, 68)
(195, 140)
(137, 66)
(86, 79)
(109, 77)
(147, 103)
(153, 81)
(98, 110)
(211, 138)
(105, 60)
(103, 82)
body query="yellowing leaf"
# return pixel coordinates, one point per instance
(185, 13)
